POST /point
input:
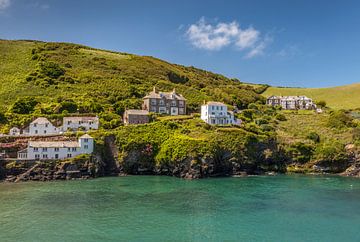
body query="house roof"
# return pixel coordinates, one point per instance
(137, 112)
(86, 136)
(167, 95)
(76, 119)
(41, 120)
(290, 98)
(53, 144)
(215, 103)
(14, 128)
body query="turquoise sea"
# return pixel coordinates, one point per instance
(150, 208)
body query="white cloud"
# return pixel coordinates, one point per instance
(4, 4)
(206, 36)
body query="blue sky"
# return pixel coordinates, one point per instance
(279, 42)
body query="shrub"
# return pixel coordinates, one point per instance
(321, 104)
(339, 119)
(51, 69)
(68, 106)
(300, 152)
(24, 105)
(280, 117)
(176, 78)
(314, 137)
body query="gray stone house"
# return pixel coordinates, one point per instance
(171, 103)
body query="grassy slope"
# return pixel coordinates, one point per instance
(300, 124)
(105, 77)
(342, 97)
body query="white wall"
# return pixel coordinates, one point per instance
(75, 125)
(86, 146)
(42, 129)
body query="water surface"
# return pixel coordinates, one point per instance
(149, 208)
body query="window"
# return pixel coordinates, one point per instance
(161, 102)
(86, 147)
(46, 125)
(37, 156)
(36, 131)
(44, 149)
(56, 156)
(86, 140)
(44, 131)
(221, 108)
(181, 103)
(212, 107)
(69, 155)
(173, 103)
(217, 107)
(36, 149)
(69, 149)
(69, 122)
(153, 109)
(35, 124)
(73, 149)
(45, 156)
(153, 101)
(213, 121)
(57, 149)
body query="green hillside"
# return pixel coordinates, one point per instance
(60, 70)
(342, 97)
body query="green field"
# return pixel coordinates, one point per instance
(342, 97)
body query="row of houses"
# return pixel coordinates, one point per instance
(292, 102)
(42, 126)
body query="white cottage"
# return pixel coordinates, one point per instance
(42, 126)
(216, 113)
(14, 131)
(57, 150)
(75, 123)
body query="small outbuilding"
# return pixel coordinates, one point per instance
(136, 116)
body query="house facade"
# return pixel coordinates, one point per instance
(76, 123)
(133, 116)
(42, 126)
(14, 131)
(216, 113)
(292, 102)
(57, 150)
(170, 103)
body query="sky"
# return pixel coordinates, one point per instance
(295, 43)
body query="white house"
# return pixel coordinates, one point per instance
(216, 113)
(57, 150)
(42, 126)
(292, 102)
(75, 123)
(14, 131)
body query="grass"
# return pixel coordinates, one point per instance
(300, 124)
(342, 97)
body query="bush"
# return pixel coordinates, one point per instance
(321, 104)
(24, 105)
(68, 106)
(314, 137)
(176, 78)
(51, 69)
(339, 119)
(300, 152)
(280, 117)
